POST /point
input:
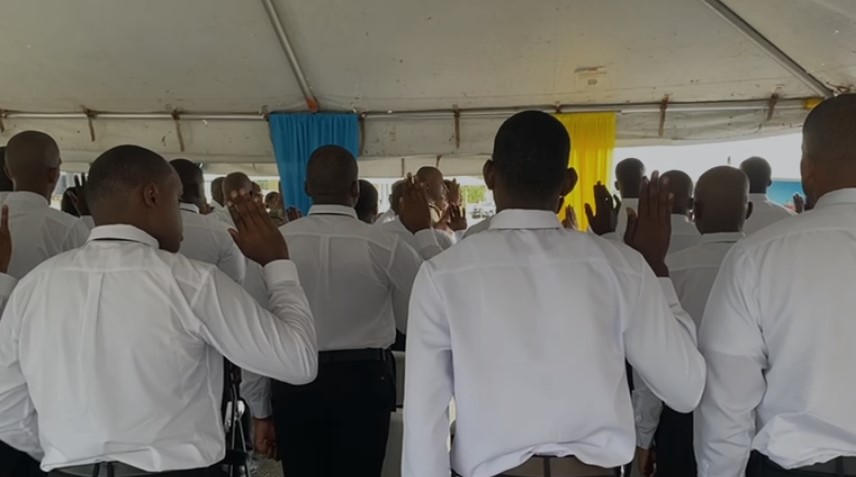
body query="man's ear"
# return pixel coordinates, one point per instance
(355, 190)
(691, 204)
(617, 186)
(569, 182)
(307, 189)
(750, 207)
(53, 175)
(151, 195)
(489, 172)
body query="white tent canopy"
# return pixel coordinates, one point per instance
(726, 69)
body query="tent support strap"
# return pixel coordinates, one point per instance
(769, 47)
(288, 49)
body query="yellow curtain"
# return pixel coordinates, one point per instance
(592, 143)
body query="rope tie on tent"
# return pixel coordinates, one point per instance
(2, 117)
(664, 105)
(362, 123)
(403, 167)
(457, 113)
(177, 120)
(437, 161)
(90, 118)
(771, 106)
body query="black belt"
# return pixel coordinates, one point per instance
(353, 355)
(105, 469)
(838, 467)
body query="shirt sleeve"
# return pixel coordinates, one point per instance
(732, 343)
(647, 409)
(18, 419)
(256, 391)
(660, 342)
(429, 243)
(428, 383)
(280, 343)
(232, 262)
(403, 266)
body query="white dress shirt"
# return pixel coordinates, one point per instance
(477, 228)
(764, 213)
(208, 240)
(692, 271)
(358, 280)
(88, 221)
(39, 232)
(528, 328)
(385, 217)
(135, 375)
(427, 244)
(778, 334)
(684, 233)
(3, 196)
(621, 225)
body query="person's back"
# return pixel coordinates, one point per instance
(38, 231)
(765, 212)
(139, 364)
(527, 327)
(778, 331)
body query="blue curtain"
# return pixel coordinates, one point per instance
(296, 136)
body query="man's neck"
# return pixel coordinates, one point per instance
(721, 230)
(341, 201)
(33, 188)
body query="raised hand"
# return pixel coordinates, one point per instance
(802, 204)
(604, 218)
(293, 213)
(414, 211)
(570, 220)
(457, 217)
(649, 230)
(78, 195)
(645, 459)
(254, 232)
(5, 240)
(453, 195)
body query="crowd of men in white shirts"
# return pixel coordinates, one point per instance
(699, 328)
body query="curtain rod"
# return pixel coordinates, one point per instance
(623, 108)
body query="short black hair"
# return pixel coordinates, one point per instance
(629, 174)
(759, 172)
(121, 169)
(828, 133)
(367, 203)
(530, 155)
(331, 170)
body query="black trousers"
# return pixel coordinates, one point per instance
(761, 466)
(14, 463)
(210, 472)
(675, 455)
(337, 425)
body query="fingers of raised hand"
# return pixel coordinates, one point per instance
(4, 220)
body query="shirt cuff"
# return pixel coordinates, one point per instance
(426, 238)
(280, 271)
(7, 284)
(669, 290)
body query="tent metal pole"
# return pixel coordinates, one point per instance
(769, 47)
(288, 49)
(473, 113)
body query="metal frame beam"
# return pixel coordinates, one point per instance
(288, 49)
(782, 58)
(622, 108)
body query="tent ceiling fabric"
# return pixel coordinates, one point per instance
(223, 57)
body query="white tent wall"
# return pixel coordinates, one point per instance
(224, 61)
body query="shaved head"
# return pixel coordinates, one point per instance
(722, 200)
(367, 204)
(192, 181)
(217, 190)
(759, 172)
(331, 176)
(133, 185)
(433, 180)
(681, 186)
(628, 177)
(33, 162)
(829, 147)
(396, 195)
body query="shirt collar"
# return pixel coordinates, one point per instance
(680, 218)
(837, 197)
(722, 237)
(761, 197)
(124, 232)
(28, 198)
(632, 202)
(333, 210)
(189, 207)
(510, 219)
